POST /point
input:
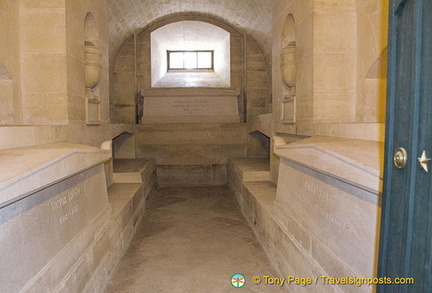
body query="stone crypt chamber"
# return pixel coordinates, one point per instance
(259, 150)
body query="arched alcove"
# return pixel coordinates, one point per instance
(288, 70)
(194, 39)
(288, 31)
(91, 32)
(93, 67)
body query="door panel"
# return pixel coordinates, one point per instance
(405, 248)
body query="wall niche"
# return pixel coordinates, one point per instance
(6, 97)
(288, 71)
(93, 68)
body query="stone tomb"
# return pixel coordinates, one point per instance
(190, 106)
(53, 206)
(327, 203)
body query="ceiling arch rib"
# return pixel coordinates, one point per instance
(129, 16)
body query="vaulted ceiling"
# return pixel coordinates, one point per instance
(250, 16)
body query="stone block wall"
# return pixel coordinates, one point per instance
(340, 64)
(191, 154)
(249, 72)
(10, 77)
(321, 220)
(127, 15)
(191, 143)
(44, 61)
(42, 72)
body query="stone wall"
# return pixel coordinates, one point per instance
(44, 62)
(42, 72)
(132, 73)
(10, 77)
(340, 76)
(127, 15)
(191, 154)
(193, 138)
(340, 62)
(371, 60)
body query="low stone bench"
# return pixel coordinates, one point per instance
(249, 180)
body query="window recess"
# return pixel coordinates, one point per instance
(190, 60)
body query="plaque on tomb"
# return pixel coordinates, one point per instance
(167, 109)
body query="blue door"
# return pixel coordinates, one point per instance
(406, 223)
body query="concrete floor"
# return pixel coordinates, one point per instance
(192, 240)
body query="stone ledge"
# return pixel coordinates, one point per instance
(132, 170)
(191, 119)
(262, 123)
(251, 169)
(43, 165)
(202, 91)
(121, 194)
(356, 162)
(264, 193)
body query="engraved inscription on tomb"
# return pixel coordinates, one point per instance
(66, 206)
(328, 197)
(191, 107)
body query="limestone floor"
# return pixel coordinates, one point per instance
(192, 240)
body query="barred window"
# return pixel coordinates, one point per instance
(190, 60)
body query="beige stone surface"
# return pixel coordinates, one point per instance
(251, 169)
(40, 166)
(357, 162)
(340, 92)
(124, 143)
(330, 188)
(190, 106)
(78, 231)
(131, 170)
(51, 218)
(191, 175)
(41, 29)
(334, 54)
(286, 243)
(202, 229)
(345, 219)
(191, 144)
(149, 11)
(6, 100)
(262, 123)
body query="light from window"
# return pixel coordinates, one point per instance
(175, 60)
(190, 60)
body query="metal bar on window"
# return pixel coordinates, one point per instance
(190, 60)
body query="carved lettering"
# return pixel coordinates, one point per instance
(192, 107)
(63, 204)
(324, 195)
(72, 211)
(58, 203)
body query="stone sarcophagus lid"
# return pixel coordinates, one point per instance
(52, 200)
(191, 105)
(328, 203)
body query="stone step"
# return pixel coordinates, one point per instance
(251, 169)
(264, 193)
(131, 170)
(121, 197)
